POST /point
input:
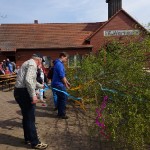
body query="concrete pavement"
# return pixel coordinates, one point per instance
(60, 134)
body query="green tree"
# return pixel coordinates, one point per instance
(119, 70)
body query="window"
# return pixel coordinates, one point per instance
(74, 61)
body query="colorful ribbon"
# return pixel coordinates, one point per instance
(101, 123)
(76, 99)
(108, 90)
(70, 96)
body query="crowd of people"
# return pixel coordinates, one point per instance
(8, 67)
(30, 82)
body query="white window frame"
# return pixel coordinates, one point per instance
(75, 61)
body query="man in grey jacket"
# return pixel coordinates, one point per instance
(25, 95)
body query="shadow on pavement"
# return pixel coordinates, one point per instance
(11, 140)
(10, 123)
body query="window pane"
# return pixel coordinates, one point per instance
(78, 60)
(71, 61)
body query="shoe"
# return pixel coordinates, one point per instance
(40, 146)
(62, 117)
(27, 142)
(55, 109)
(66, 108)
(44, 97)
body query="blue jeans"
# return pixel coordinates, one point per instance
(54, 98)
(28, 112)
(61, 100)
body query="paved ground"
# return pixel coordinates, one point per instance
(71, 134)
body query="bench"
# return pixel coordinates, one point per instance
(11, 85)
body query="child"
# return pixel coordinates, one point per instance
(40, 79)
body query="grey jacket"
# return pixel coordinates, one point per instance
(26, 77)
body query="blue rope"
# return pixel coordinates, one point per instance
(70, 96)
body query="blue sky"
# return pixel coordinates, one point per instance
(67, 11)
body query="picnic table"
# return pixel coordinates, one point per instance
(7, 80)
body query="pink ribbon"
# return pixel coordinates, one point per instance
(99, 117)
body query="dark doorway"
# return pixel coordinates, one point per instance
(10, 55)
(11, 58)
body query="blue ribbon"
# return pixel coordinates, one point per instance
(70, 96)
(111, 90)
(108, 90)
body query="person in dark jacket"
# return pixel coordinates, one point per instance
(50, 77)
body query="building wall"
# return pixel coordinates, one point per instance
(25, 54)
(119, 22)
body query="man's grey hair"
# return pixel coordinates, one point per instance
(36, 56)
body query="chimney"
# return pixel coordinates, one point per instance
(35, 21)
(113, 7)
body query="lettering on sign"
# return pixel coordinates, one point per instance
(121, 32)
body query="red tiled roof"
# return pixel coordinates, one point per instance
(52, 35)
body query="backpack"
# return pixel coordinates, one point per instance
(50, 73)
